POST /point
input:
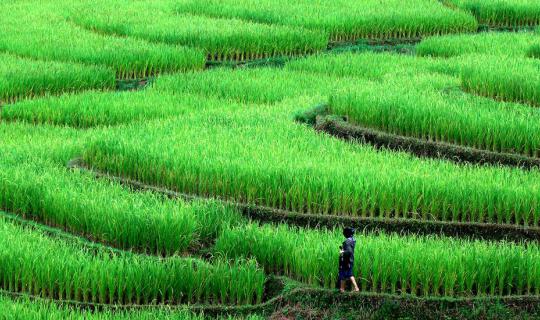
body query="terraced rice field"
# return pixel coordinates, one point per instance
(181, 159)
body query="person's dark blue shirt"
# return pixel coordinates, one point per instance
(348, 250)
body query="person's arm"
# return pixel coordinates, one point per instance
(347, 251)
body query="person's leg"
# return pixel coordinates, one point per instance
(342, 285)
(355, 286)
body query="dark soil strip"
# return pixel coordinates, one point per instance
(277, 61)
(420, 147)
(393, 306)
(133, 84)
(376, 42)
(404, 46)
(489, 28)
(398, 45)
(486, 231)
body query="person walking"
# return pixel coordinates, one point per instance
(346, 260)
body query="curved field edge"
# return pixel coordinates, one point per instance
(54, 232)
(377, 306)
(345, 21)
(277, 288)
(218, 50)
(420, 147)
(213, 60)
(67, 271)
(405, 46)
(86, 241)
(487, 231)
(499, 14)
(23, 78)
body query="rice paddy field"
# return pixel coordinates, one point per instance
(182, 159)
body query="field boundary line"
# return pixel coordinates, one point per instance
(338, 127)
(297, 295)
(62, 234)
(83, 240)
(475, 230)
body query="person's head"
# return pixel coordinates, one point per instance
(348, 232)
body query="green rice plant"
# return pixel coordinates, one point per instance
(259, 156)
(315, 76)
(381, 67)
(22, 142)
(420, 266)
(410, 109)
(66, 272)
(502, 13)
(221, 39)
(264, 85)
(42, 32)
(93, 108)
(509, 79)
(29, 309)
(534, 51)
(105, 212)
(344, 20)
(20, 78)
(370, 66)
(496, 43)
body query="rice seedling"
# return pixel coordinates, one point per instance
(502, 13)
(421, 266)
(494, 43)
(25, 309)
(28, 309)
(228, 134)
(221, 39)
(105, 212)
(265, 85)
(381, 67)
(25, 78)
(506, 79)
(344, 20)
(22, 142)
(65, 272)
(259, 156)
(316, 76)
(42, 32)
(534, 51)
(411, 109)
(93, 108)
(370, 66)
